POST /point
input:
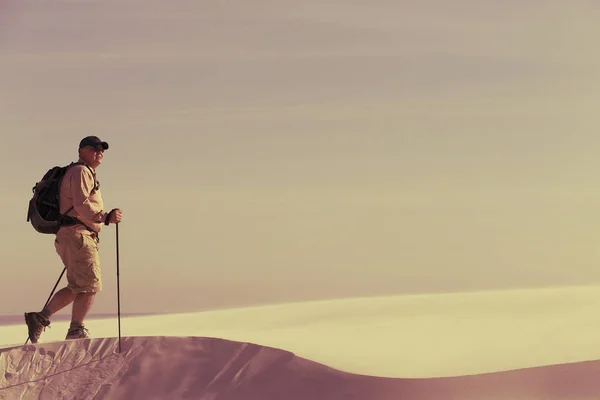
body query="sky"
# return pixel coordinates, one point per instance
(284, 151)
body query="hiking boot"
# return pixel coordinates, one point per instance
(36, 324)
(78, 332)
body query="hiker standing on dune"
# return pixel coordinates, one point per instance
(76, 242)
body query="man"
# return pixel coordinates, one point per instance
(77, 242)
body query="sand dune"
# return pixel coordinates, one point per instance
(524, 344)
(207, 368)
(162, 368)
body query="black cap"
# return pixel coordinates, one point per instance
(93, 141)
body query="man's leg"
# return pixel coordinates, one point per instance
(82, 304)
(60, 300)
(38, 321)
(87, 281)
(65, 296)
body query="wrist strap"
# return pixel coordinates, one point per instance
(107, 218)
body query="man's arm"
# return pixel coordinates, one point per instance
(82, 184)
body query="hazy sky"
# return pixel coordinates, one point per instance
(272, 151)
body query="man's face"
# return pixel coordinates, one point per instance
(92, 155)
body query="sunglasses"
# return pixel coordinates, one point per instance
(97, 149)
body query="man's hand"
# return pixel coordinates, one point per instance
(114, 216)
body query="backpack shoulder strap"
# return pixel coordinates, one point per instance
(64, 217)
(89, 169)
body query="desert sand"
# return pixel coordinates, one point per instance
(513, 344)
(381, 147)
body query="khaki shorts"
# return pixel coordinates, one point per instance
(78, 250)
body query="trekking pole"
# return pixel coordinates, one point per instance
(118, 290)
(51, 293)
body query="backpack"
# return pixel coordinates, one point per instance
(44, 206)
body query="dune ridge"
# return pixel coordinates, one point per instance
(161, 368)
(216, 369)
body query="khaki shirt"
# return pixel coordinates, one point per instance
(77, 190)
